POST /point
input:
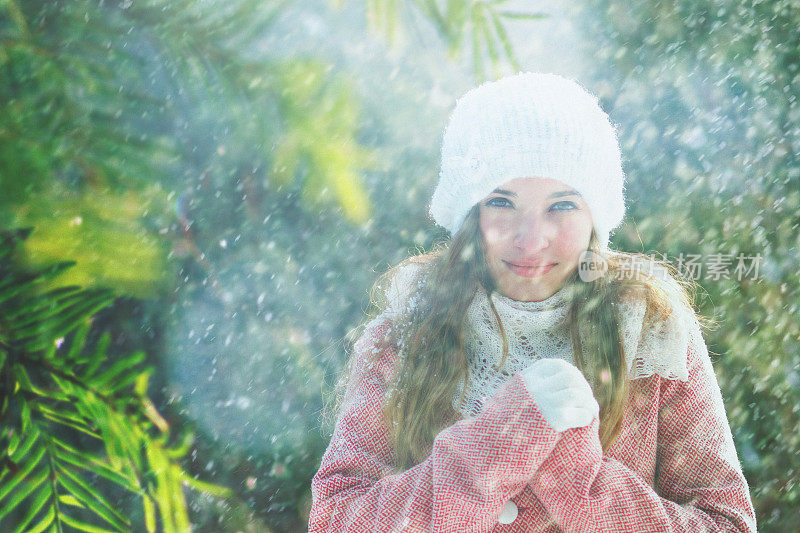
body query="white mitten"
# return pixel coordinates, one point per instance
(562, 394)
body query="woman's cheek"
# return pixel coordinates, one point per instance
(495, 232)
(574, 239)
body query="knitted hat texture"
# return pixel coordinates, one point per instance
(529, 125)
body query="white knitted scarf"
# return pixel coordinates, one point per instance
(540, 329)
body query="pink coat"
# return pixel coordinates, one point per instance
(672, 468)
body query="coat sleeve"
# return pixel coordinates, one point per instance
(699, 482)
(475, 465)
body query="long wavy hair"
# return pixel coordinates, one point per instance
(432, 365)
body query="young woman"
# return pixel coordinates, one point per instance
(526, 377)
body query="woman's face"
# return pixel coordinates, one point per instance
(533, 231)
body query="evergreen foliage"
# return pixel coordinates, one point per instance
(476, 25)
(78, 429)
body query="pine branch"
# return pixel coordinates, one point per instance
(78, 427)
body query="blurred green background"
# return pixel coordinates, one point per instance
(239, 172)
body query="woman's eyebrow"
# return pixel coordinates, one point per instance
(554, 195)
(564, 193)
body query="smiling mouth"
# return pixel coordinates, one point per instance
(527, 271)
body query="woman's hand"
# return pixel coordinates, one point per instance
(562, 393)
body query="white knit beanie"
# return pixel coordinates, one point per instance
(529, 125)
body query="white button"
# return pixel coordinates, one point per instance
(509, 513)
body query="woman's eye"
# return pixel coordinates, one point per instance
(564, 205)
(499, 202)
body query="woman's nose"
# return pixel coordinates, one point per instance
(531, 235)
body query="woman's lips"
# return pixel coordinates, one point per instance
(529, 271)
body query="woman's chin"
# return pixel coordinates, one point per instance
(533, 291)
